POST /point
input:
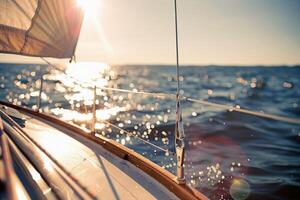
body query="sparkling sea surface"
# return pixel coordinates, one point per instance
(229, 155)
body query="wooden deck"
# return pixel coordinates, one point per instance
(103, 168)
(103, 174)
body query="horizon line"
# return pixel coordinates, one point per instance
(160, 64)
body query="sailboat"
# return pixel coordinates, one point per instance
(43, 157)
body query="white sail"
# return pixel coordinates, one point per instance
(44, 28)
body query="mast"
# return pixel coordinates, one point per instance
(179, 131)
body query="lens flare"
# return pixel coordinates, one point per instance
(239, 189)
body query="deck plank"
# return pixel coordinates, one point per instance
(102, 173)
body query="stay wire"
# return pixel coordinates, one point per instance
(141, 139)
(193, 100)
(121, 90)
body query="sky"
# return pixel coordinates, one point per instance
(219, 32)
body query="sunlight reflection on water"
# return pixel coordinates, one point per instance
(221, 145)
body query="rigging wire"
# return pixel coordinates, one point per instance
(177, 50)
(167, 151)
(190, 99)
(245, 111)
(179, 127)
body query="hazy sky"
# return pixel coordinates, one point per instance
(245, 32)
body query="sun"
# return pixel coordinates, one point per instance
(90, 7)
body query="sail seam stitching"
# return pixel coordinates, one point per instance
(75, 46)
(31, 25)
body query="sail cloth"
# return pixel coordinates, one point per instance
(44, 28)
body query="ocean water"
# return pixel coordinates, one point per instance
(229, 155)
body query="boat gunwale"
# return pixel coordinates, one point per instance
(167, 179)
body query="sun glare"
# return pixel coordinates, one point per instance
(91, 72)
(90, 7)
